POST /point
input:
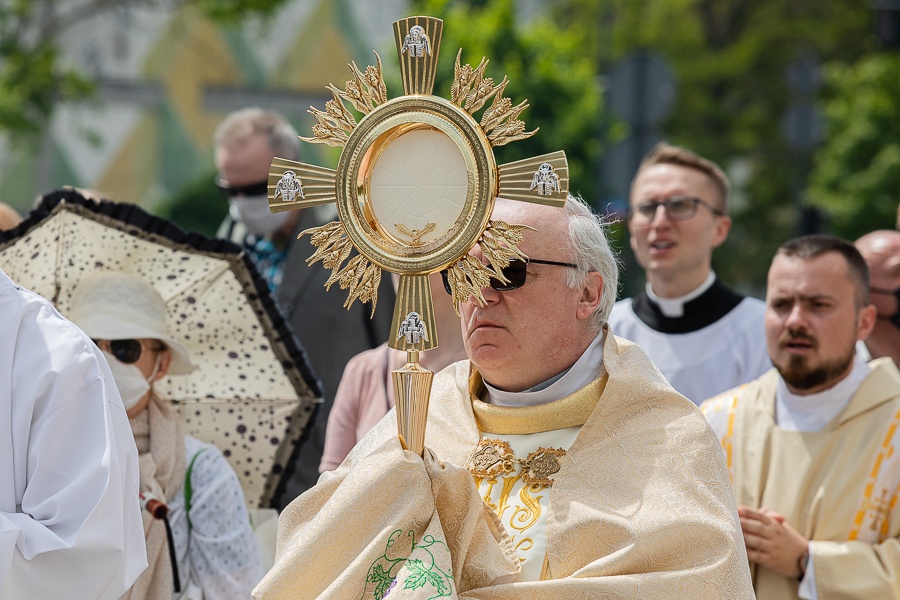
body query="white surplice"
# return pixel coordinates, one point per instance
(70, 522)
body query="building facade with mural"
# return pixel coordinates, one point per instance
(165, 78)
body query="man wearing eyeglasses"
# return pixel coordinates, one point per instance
(558, 463)
(245, 144)
(881, 251)
(703, 336)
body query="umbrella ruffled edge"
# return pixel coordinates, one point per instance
(146, 224)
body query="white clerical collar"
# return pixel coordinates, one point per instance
(674, 307)
(814, 411)
(584, 371)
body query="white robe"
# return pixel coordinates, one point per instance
(838, 486)
(640, 508)
(705, 362)
(70, 522)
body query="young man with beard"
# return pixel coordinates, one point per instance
(811, 445)
(703, 336)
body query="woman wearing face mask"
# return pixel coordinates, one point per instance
(215, 552)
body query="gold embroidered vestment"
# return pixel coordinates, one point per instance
(641, 506)
(838, 487)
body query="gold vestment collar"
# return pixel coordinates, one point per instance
(571, 411)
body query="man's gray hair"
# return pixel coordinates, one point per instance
(245, 123)
(591, 251)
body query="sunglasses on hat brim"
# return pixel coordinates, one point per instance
(515, 274)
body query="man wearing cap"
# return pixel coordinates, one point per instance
(70, 523)
(214, 546)
(245, 144)
(558, 463)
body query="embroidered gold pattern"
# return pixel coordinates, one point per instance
(493, 457)
(879, 495)
(526, 515)
(543, 463)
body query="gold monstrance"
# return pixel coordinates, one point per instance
(415, 186)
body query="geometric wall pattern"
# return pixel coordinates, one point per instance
(165, 81)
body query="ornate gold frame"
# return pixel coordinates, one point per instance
(361, 153)
(422, 248)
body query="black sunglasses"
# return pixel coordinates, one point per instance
(260, 188)
(125, 351)
(514, 273)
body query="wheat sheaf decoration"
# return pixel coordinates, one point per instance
(417, 179)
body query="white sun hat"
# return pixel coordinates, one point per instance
(111, 305)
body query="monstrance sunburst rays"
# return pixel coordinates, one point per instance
(399, 152)
(415, 186)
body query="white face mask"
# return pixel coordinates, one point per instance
(253, 213)
(129, 379)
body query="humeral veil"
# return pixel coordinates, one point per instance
(657, 520)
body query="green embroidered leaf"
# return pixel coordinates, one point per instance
(382, 581)
(377, 574)
(418, 574)
(437, 580)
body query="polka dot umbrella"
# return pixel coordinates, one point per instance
(253, 391)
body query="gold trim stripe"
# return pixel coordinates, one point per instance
(571, 411)
(727, 443)
(881, 468)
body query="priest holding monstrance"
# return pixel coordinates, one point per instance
(556, 462)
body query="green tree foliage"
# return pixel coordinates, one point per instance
(545, 64)
(33, 78)
(856, 176)
(730, 58)
(232, 12)
(200, 206)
